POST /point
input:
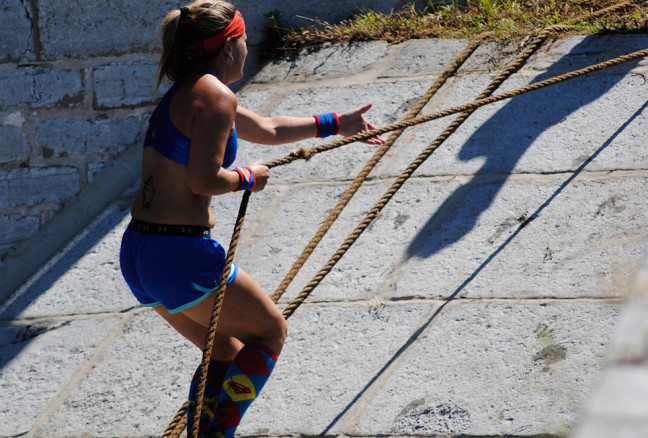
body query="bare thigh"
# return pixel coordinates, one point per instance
(225, 347)
(247, 315)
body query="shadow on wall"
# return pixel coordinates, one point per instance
(458, 214)
(420, 331)
(502, 147)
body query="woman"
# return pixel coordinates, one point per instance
(167, 257)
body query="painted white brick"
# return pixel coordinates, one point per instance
(121, 84)
(59, 138)
(39, 87)
(13, 144)
(81, 29)
(30, 187)
(16, 36)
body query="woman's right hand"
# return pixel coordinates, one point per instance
(261, 175)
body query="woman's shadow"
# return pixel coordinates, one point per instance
(506, 136)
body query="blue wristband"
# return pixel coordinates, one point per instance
(327, 124)
(247, 178)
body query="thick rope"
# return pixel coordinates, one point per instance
(463, 108)
(402, 125)
(307, 153)
(512, 68)
(211, 332)
(362, 176)
(177, 425)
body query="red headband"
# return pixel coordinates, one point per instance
(215, 42)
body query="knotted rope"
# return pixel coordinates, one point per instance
(530, 49)
(362, 176)
(296, 155)
(177, 424)
(396, 126)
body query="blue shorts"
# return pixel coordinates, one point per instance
(174, 271)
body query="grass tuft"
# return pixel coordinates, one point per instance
(506, 19)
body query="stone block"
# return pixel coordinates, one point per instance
(16, 227)
(139, 399)
(39, 87)
(13, 144)
(583, 240)
(520, 135)
(16, 36)
(353, 344)
(312, 64)
(487, 369)
(95, 255)
(37, 361)
(577, 52)
(426, 56)
(128, 83)
(58, 138)
(30, 187)
(81, 29)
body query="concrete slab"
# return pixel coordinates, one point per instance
(328, 62)
(38, 363)
(482, 301)
(136, 388)
(84, 279)
(316, 380)
(491, 368)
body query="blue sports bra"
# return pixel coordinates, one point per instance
(170, 142)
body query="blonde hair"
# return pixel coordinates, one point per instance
(185, 26)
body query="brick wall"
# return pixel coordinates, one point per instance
(76, 89)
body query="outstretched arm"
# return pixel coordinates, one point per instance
(287, 129)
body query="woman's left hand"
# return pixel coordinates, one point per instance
(353, 122)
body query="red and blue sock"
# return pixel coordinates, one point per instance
(244, 380)
(213, 386)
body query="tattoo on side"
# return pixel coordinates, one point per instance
(148, 193)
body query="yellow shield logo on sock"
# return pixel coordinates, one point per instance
(239, 388)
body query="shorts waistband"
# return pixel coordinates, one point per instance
(169, 230)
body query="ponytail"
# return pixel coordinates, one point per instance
(185, 26)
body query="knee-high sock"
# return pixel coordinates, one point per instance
(244, 380)
(213, 386)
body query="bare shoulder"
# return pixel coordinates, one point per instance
(210, 93)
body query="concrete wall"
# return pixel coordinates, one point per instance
(76, 89)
